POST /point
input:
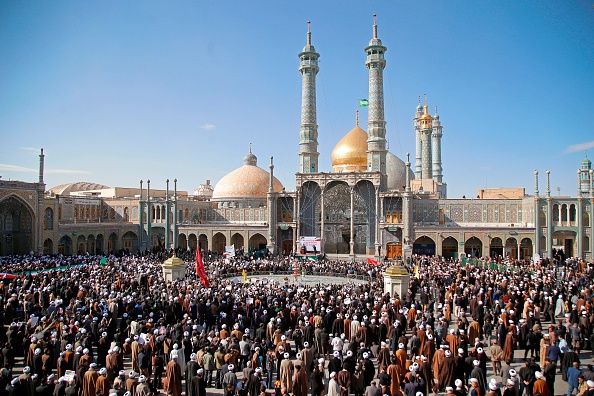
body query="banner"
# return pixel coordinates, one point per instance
(371, 261)
(200, 271)
(310, 244)
(229, 251)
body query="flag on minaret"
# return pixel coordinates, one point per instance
(200, 271)
(363, 102)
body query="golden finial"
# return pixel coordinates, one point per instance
(357, 118)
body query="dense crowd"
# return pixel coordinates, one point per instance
(100, 326)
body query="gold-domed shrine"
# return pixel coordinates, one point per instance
(350, 153)
(246, 182)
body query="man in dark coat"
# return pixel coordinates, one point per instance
(567, 362)
(191, 370)
(344, 380)
(198, 383)
(255, 382)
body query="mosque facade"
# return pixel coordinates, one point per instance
(370, 204)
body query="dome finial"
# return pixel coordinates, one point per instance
(250, 158)
(308, 32)
(374, 26)
(419, 100)
(357, 118)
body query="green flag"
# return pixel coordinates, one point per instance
(363, 102)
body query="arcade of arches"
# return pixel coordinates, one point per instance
(451, 247)
(219, 241)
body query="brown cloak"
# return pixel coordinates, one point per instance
(300, 383)
(89, 383)
(174, 378)
(508, 348)
(446, 372)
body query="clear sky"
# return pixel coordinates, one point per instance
(119, 91)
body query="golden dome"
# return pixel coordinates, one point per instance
(246, 182)
(350, 153)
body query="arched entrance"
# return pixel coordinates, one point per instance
(182, 241)
(81, 244)
(91, 244)
(130, 242)
(158, 237)
(16, 227)
(257, 242)
(112, 243)
(526, 249)
(192, 241)
(65, 246)
(237, 240)
(473, 247)
(563, 241)
(48, 246)
(219, 241)
(393, 250)
(424, 245)
(337, 217)
(511, 248)
(203, 242)
(496, 247)
(449, 248)
(99, 243)
(285, 235)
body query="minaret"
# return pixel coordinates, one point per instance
(536, 215)
(41, 166)
(419, 150)
(376, 124)
(271, 246)
(426, 127)
(584, 176)
(407, 214)
(308, 129)
(140, 220)
(40, 198)
(167, 217)
(436, 147)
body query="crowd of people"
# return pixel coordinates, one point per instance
(102, 326)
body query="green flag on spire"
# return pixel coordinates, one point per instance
(363, 102)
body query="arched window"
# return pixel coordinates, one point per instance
(126, 215)
(49, 219)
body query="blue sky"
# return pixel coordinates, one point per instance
(116, 92)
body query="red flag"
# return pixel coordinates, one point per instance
(200, 271)
(372, 261)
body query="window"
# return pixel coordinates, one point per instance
(49, 219)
